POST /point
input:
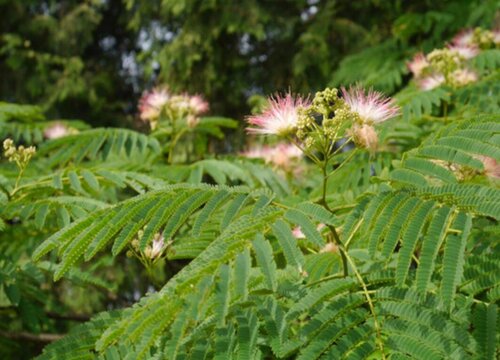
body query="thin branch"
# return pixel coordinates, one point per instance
(370, 305)
(23, 335)
(342, 249)
(73, 317)
(349, 157)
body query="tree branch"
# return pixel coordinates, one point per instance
(23, 335)
(73, 317)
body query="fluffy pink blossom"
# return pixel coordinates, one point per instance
(55, 131)
(157, 246)
(491, 166)
(465, 51)
(198, 104)
(192, 121)
(372, 107)
(464, 76)
(298, 234)
(193, 104)
(258, 153)
(464, 37)
(282, 155)
(151, 103)
(418, 64)
(280, 117)
(330, 248)
(431, 82)
(496, 36)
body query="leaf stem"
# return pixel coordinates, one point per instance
(342, 250)
(370, 304)
(16, 185)
(332, 229)
(174, 142)
(349, 157)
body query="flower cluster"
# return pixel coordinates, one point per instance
(331, 115)
(152, 103)
(282, 156)
(481, 38)
(298, 234)
(159, 102)
(491, 168)
(20, 155)
(152, 252)
(330, 247)
(450, 65)
(444, 66)
(58, 130)
(156, 248)
(371, 107)
(280, 117)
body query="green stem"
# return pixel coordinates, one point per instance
(175, 140)
(310, 155)
(16, 185)
(370, 304)
(336, 236)
(325, 185)
(351, 154)
(342, 250)
(348, 241)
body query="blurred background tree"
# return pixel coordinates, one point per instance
(92, 59)
(68, 57)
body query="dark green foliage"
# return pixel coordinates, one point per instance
(86, 60)
(271, 307)
(208, 255)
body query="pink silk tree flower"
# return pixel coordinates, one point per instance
(56, 131)
(283, 156)
(464, 38)
(372, 106)
(157, 246)
(151, 103)
(194, 104)
(330, 248)
(298, 234)
(491, 166)
(264, 152)
(465, 51)
(279, 118)
(418, 64)
(464, 76)
(496, 36)
(431, 82)
(198, 105)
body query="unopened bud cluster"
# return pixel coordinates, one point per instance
(485, 39)
(335, 112)
(20, 155)
(445, 61)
